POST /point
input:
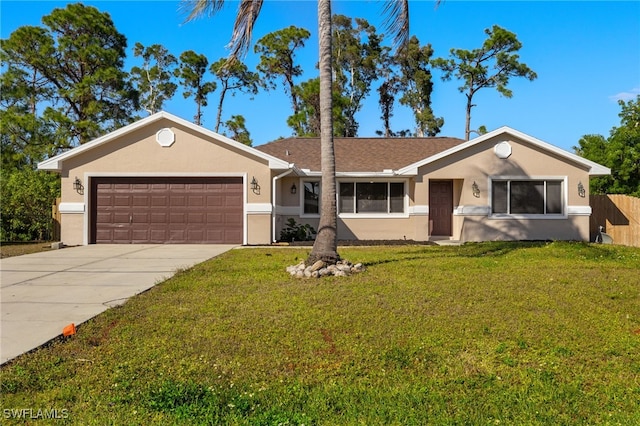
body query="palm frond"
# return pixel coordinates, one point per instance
(248, 12)
(195, 9)
(397, 21)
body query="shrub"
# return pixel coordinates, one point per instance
(27, 196)
(294, 231)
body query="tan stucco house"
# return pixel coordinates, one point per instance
(163, 179)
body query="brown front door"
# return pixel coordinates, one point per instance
(176, 210)
(441, 206)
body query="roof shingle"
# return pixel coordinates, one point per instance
(359, 154)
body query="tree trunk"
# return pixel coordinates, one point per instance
(419, 124)
(467, 126)
(219, 118)
(294, 97)
(325, 247)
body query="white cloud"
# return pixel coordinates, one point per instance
(626, 96)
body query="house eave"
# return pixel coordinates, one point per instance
(599, 170)
(384, 174)
(51, 165)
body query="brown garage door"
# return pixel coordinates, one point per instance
(166, 210)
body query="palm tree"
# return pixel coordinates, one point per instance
(325, 247)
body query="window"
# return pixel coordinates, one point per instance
(371, 197)
(396, 197)
(526, 197)
(346, 199)
(311, 197)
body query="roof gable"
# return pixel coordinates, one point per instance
(595, 169)
(55, 163)
(359, 155)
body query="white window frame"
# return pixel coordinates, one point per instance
(563, 201)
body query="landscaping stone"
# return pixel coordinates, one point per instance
(320, 269)
(317, 266)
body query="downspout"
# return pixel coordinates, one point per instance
(273, 200)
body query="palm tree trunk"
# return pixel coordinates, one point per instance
(325, 247)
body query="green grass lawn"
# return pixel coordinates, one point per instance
(18, 249)
(493, 333)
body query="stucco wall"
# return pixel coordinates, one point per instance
(71, 229)
(477, 228)
(349, 227)
(259, 229)
(139, 154)
(479, 163)
(471, 219)
(378, 229)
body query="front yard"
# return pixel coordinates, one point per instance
(493, 333)
(18, 249)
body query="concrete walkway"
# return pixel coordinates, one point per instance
(41, 293)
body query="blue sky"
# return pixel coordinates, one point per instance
(586, 55)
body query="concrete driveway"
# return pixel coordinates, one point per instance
(42, 293)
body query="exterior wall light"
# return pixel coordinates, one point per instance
(475, 189)
(581, 191)
(294, 189)
(254, 186)
(78, 186)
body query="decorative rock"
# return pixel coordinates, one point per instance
(319, 269)
(343, 268)
(295, 268)
(317, 266)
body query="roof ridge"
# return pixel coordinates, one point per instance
(362, 138)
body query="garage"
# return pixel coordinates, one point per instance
(163, 179)
(176, 210)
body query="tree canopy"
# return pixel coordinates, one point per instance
(620, 152)
(491, 65)
(154, 78)
(238, 130)
(360, 61)
(414, 62)
(233, 77)
(277, 59)
(64, 83)
(191, 74)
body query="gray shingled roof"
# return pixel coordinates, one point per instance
(359, 154)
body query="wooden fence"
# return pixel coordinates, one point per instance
(620, 216)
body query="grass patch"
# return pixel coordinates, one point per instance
(18, 249)
(510, 333)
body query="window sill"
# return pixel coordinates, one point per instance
(527, 216)
(373, 215)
